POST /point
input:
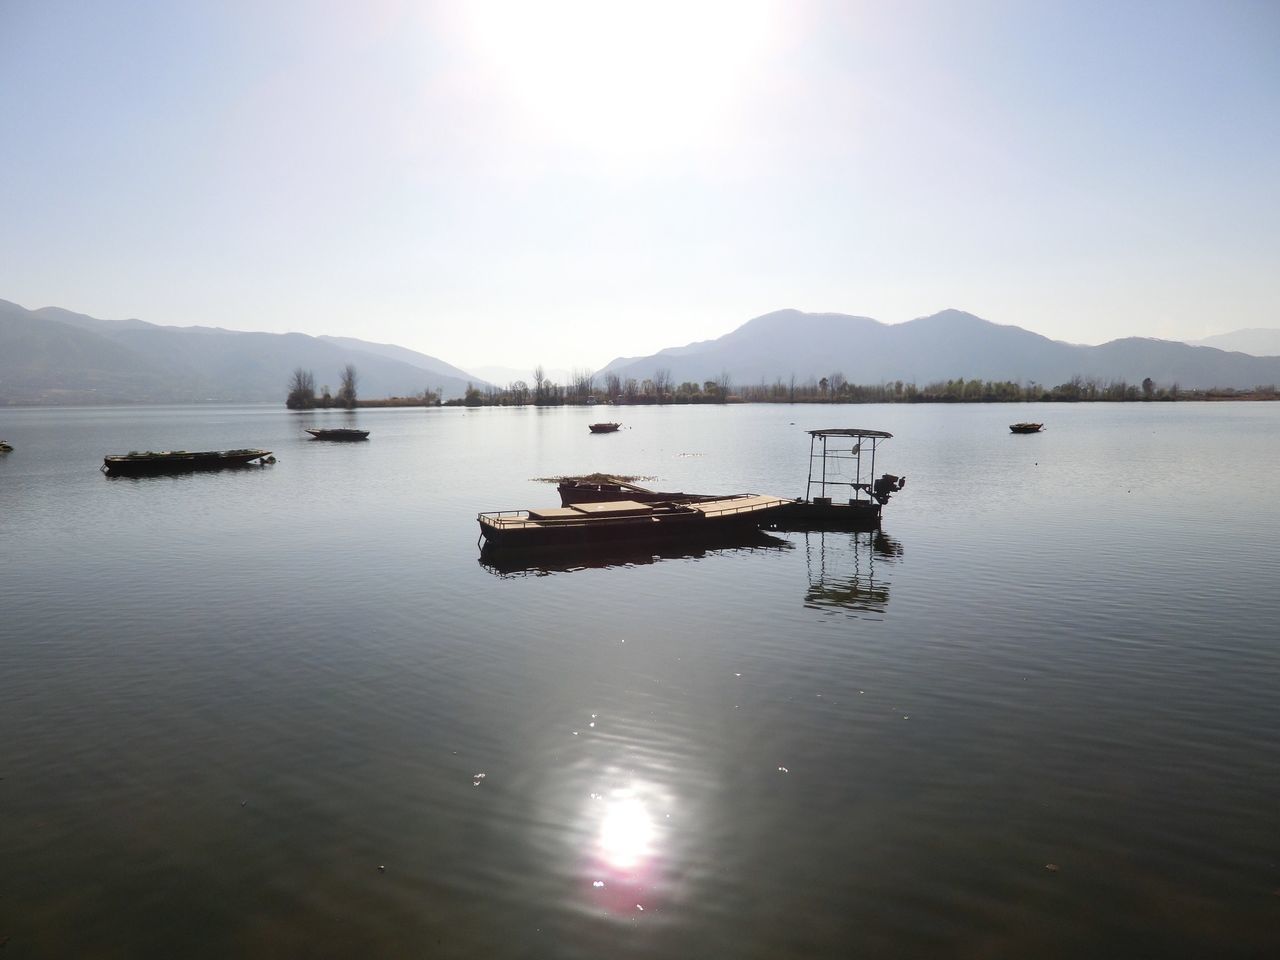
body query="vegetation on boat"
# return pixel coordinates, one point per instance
(595, 478)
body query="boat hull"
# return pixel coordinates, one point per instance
(603, 427)
(182, 462)
(342, 434)
(1026, 427)
(852, 516)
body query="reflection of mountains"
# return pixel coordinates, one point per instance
(842, 570)
(537, 562)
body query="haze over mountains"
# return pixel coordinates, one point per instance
(52, 355)
(1257, 341)
(944, 346)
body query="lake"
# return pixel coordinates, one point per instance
(286, 711)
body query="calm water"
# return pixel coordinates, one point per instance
(226, 700)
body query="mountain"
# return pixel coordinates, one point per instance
(943, 346)
(1256, 341)
(52, 355)
(422, 361)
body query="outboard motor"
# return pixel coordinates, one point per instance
(886, 486)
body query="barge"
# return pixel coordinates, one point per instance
(180, 461)
(338, 433)
(607, 522)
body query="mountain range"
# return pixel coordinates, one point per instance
(1258, 341)
(944, 346)
(52, 355)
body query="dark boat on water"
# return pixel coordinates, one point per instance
(603, 427)
(338, 433)
(584, 490)
(836, 464)
(595, 524)
(5, 447)
(180, 461)
(1026, 427)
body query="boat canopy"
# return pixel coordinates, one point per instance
(851, 432)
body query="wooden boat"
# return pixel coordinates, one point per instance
(338, 433)
(180, 461)
(588, 524)
(835, 462)
(603, 427)
(5, 447)
(1026, 427)
(586, 491)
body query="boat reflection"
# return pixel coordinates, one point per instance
(843, 574)
(540, 561)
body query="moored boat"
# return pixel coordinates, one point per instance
(338, 433)
(588, 524)
(603, 427)
(838, 464)
(5, 447)
(1026, 427)
(136, 464)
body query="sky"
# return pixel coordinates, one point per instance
(568, 181)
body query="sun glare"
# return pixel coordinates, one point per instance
(626, 833)
(619, 77)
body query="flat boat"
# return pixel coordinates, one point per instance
(1026, 427)
(603, 427)
(338, 433)
(180, 461)
(592, 524)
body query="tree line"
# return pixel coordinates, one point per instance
(302, 394)
(586, 388)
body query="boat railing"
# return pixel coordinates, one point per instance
(751, 506)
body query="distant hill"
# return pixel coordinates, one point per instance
(52, 355)
(943, 346)
(1255, 341)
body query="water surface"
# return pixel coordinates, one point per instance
(288, 711)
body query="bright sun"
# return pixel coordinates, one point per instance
(618, 77)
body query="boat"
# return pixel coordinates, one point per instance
(5, 447)
(338, 433)
(1026, 427)
(136, 464)
(835, 464)
(583, 490)
(608, 522)
(603, 427)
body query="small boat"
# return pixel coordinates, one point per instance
(580, 490)
(835, 462)
(602, 524)
(603, 427)
(339, 433)
(1026, 427)
(136, 464)
(5, 447)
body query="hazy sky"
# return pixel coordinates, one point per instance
(565, 182)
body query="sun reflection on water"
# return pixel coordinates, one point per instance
(624, 863)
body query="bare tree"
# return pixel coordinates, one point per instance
(302, 390)
(347, 390)
(539, 382)
(662, 382)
